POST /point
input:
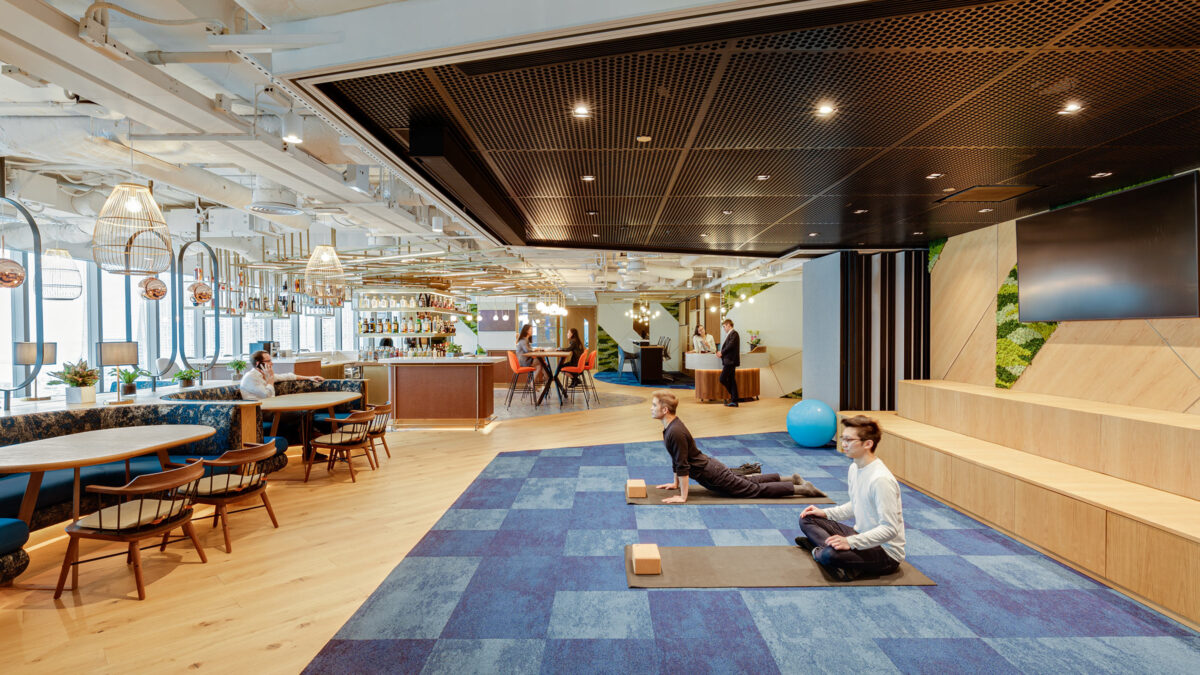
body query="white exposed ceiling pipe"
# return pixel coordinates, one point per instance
(672, 273)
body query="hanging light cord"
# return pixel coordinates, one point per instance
(212, 24)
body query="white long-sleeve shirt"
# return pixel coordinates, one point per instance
(875, 505)
(255, 386)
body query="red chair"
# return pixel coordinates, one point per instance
(578, 371)
(591, 381)
(518, 371)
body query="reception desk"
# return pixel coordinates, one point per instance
(441, 390)
(707, 372)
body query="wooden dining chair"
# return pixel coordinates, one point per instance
(148, 506)
(348, 434)
(379, 428)
(236, 476)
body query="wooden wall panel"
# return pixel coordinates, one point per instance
(976, 363)
(1162, 457)
(984, 492)
(1006, 250)
(928, 469)
(1184, 337)
(1114, 361)
(962, 286)
(1062, 525)
(910, 400)
(894, 454)
(1155, 564)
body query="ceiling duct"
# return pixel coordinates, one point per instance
(439, 152)
(272, 200)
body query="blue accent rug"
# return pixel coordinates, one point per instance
(628, 378)
(525, 574)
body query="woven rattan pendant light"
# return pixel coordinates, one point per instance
(131, 235)
(60, 276)
(323, 275)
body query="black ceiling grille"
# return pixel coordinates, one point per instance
(930, 98)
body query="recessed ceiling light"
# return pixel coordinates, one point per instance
(862, 243)
(702, 234)
(1102, 174)
(761, 176)
(985, 210)
(860, 211)
(587, 178)
(1070, 108)
(948, 189)
(581, 111)
(727, 212)
(644, 139)
(594, 234)
(934, 175)
(918, 232)
(813, 234)
(592, 213)
(825, 110)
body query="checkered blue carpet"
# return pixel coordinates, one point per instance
(524, 574)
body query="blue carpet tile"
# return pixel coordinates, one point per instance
(525, 574)
(630, 379)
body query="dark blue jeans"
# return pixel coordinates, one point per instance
(872, 561)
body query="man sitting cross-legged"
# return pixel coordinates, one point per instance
(875, 505)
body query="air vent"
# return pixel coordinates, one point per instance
(273, 201)
(990, 193)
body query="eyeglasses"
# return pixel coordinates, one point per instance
(850, 441)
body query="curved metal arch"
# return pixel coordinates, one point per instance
(37, 299)
(216, 303)
(175, 317)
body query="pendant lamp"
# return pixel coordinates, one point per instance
(323, 275)
(60, 276)
(131, 235)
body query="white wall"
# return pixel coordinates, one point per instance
(777, 315)
(497, 339)
(822, 329)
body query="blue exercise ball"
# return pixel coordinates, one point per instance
(811, 423)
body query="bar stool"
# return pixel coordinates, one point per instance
(578, 371)
(590, 381)
(519, 370)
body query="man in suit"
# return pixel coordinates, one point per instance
(731, 358)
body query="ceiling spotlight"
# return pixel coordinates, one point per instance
(727, 212)
(742, 296)
(824, 110)
(293, 128)
(1070, 108)
(859, 212)
(751, 301)
(933, 176)
(918, 232)
(596, 234)
(1102, 174)
(707, 295)
(813, 234)
(644, 139)
(581, 111)
(703, 234)
(862, 243)
(587, 178)
(592, 213)
(761, 176)
(949, 189)
(737, 303)
(713, 308)
(986, 210)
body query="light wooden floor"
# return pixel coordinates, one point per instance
(271, 605)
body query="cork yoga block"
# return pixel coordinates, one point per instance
(635, 488)
(646, 559)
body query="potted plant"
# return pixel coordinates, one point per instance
(453, 350)
(128, 379)
(80, 380)
(186, 377)
(238, 367)
(755, 339)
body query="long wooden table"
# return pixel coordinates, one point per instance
(88, 448)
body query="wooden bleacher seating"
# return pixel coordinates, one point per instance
(1113, 490)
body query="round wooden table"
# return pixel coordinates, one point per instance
(88, 448)
(307, 403)
(553, 379)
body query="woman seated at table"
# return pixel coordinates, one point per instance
(575, 346)
(702, 342)
(259, 382)
(524, 348)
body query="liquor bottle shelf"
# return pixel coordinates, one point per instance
(412, 310)
(411, 335)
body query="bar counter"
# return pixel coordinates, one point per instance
(437, 390)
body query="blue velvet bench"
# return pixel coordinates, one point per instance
(13, 559)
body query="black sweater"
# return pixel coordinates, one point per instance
(685, 456)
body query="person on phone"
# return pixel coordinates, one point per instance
(259, 382)
(875, 505)
(689, 462)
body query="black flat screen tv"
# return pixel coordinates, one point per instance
(1132, 255)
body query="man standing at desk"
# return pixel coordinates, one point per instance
(731, 358)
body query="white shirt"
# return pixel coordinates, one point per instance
(704, 345)
(255, 386)
(875, 505)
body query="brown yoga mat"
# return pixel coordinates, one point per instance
(752, 567)
(698, 495)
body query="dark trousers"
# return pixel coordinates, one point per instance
(716, 477)
(729, 381)
(872, 561)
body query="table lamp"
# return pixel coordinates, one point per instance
(118, 354)
(25, 354)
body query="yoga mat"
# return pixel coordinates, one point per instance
(752, 567)
(698, 495)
